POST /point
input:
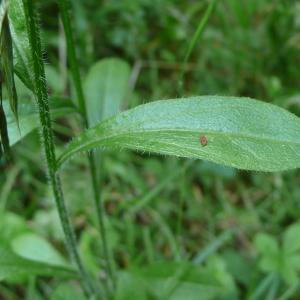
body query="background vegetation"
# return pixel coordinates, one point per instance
(176, 229)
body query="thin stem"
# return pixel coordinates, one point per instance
(48, 142)
(64, 6)
(193, 42)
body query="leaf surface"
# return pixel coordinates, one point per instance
(237, 132)
(13, 266)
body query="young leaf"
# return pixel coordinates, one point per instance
(291, 241)
(33, 247)
(12, 266)
(23, 61)
(105, 88)
(238, 132)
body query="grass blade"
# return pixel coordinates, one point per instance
(196, 37)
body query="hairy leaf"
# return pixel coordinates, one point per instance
(238, 132)
(23, 60)
(13, 266)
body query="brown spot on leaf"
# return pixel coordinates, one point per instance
(203, 140)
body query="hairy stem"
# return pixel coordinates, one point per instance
(64, 7)
(48, 142)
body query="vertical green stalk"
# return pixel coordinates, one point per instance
(47, 140)
(64, 6)
(192, 44)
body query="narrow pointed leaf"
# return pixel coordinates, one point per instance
(3, 12)
(13, 266)
(238, 132)
(23, 59)
(7, 66)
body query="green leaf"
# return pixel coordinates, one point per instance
(105, 88)
(3, 12)
(268, 247)
(291, 240)
(33, 247)
(7, 66)
(13, 266)
(238, 132)
(29, 118)
(168, 280)
(14, 225)
(266, 244)
(23, 60)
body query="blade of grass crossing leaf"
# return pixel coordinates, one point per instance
(64, 7)
(214, 246)
(237, 132)
(193, 42)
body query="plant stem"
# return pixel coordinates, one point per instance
(48, 142)
(193, 42)
(64, 6)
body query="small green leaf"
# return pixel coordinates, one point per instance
(238, 132)
(33, 247)
(12, 266)
(266, 244)
(23, 59)
(168, 280)
(268, 247)
(291, 240)
(105, 88)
